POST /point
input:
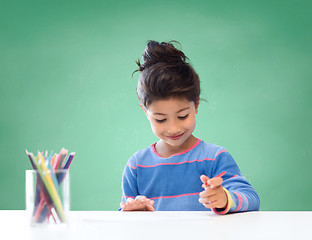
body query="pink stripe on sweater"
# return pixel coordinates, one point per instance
(128, 196)
(178, 163)
(176, 196)
(246, 201)
(187, 150)
(234, 176)
(240, 201)
(220, 153)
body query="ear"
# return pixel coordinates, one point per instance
(196, 106)
(144, 110)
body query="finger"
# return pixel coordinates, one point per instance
(216, 204)
(130, 200)
(208, 192)
(140, 198)
(208, 200)
(125, 207)
(215, 182)
(211, 204)
(135, 206)
(149, 204)
(129, 208)
(150, 208)
(204, 179)
(205, 185)
(207, 203)
(149, 201)
(219, 200)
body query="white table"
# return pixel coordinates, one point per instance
(162, 225)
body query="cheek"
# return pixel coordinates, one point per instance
(156, 128)
(191, 123)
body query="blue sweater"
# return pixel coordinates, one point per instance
(174, 183)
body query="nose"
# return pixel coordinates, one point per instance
(173, 128)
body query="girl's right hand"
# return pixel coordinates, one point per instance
(140, 203)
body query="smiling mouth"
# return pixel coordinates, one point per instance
(176, 137)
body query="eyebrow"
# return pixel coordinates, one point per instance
(181, 110)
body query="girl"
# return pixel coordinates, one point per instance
(172, 173)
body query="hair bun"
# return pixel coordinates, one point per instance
(164, 52)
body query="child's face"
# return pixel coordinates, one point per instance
(172, 120)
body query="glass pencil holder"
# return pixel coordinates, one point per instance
(47, 197)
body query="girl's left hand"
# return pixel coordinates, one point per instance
(214, 195)
(140, 203)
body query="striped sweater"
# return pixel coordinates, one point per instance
(174, 183)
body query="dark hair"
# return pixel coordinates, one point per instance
(165, 73)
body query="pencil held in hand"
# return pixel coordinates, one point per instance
(205, 178)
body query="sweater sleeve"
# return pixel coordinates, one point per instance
(241, 195)
(129, 180)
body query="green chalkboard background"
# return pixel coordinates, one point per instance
(65, 81)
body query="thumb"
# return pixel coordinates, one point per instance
(204, 179)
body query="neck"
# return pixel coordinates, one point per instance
(166, 150)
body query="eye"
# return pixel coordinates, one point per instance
(183, 117)
(161, 120)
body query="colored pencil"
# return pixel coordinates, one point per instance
(52, 190)
(219, 175)
(47, 203)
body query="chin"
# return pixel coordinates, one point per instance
(175, 143)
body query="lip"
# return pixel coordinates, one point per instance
(176, 137)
